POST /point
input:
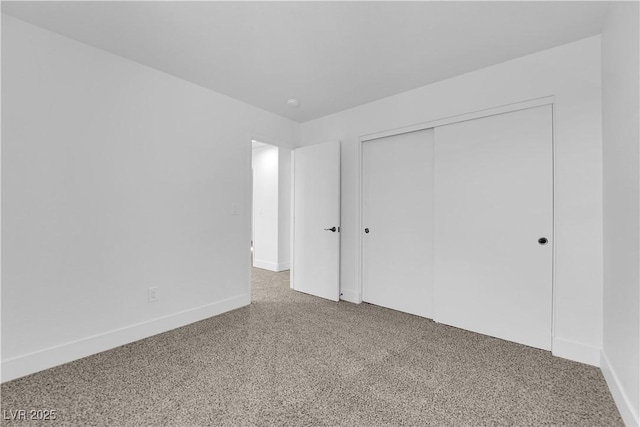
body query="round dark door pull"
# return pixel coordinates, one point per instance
(542, 240)
(366, 230)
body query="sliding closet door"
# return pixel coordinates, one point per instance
(397, 173)
(493, 226)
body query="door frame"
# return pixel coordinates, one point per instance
(508, 108)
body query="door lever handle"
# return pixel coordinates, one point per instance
(332, 229)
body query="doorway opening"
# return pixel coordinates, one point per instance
(270, 206)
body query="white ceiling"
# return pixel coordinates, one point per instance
(329, 55)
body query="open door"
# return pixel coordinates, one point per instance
(316, 220)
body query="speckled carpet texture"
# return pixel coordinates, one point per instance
(291, 359)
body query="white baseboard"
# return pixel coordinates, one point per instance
(283, 266)
(271, 266)
(350, 296)
(48, 358)
(576, 351)
(265, 265)
(629, 416)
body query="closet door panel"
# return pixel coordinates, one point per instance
(398, 219)
(493, 212)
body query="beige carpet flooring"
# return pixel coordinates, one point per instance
(291, 359)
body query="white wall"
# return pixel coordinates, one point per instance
(265, 207)
(116, 177)
(571, 73)
(620, 112)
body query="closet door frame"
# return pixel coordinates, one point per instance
(548, 100)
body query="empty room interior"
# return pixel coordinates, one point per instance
(320, 213)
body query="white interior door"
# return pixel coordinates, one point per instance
(316, 220)
(493, 202)
(397, 219)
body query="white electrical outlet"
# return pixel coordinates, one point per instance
(152, 293)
